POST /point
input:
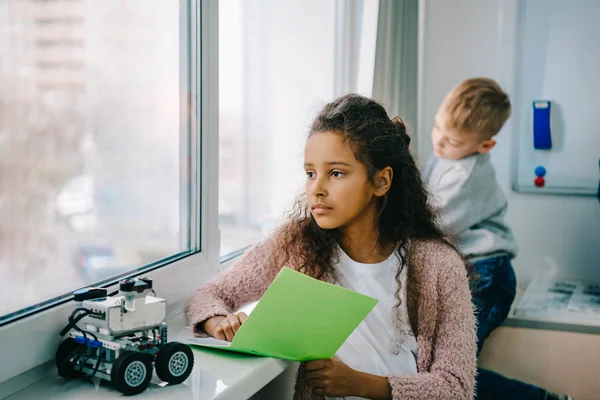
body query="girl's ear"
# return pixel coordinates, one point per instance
(383, 181)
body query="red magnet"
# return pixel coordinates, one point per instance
(539, 181)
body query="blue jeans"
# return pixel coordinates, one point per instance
(493, 294)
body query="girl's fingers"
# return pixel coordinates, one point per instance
(220, 333)
(234, 322)
(229, 326)
(315, 383)
(316, 364)
(315, 374)
(319, 391)
(242, 316)
(227, 330)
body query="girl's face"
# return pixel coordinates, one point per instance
(338, 190)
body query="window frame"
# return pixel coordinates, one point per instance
(32, 341)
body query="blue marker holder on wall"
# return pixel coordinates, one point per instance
(542, 138)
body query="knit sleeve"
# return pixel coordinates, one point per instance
(452, 371)
(244, 282)
(301, 390)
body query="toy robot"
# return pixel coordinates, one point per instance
(119, 338)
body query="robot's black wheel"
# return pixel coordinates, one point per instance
(174, 363)
(64, 353)
(131, 372)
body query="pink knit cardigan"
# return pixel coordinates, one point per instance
(439, 307)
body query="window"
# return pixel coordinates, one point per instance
(277, 69)
(92, 184)
(177, 226)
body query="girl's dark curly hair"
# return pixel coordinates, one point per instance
(403, 213)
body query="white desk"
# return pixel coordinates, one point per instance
(216, 375)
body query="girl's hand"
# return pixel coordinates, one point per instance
(332, 378)
(224, 328)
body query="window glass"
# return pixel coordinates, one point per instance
(276, 66)
(90, 175)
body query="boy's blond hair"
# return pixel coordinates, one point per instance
(477, 106)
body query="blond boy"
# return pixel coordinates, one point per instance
(472, 209)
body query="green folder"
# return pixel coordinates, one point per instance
(298, 318)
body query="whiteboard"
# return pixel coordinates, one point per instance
(559, 61)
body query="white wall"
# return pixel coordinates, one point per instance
(465, 38)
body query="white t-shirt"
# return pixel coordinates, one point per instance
(370, 347)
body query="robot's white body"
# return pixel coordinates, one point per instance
(127, 313)
(123, 336)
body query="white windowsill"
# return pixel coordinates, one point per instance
(216, 375)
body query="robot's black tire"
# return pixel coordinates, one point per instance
(65, 351)
(131, 373)
(174, 363)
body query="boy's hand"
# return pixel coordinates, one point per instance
(332, 378)
(224, 328)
